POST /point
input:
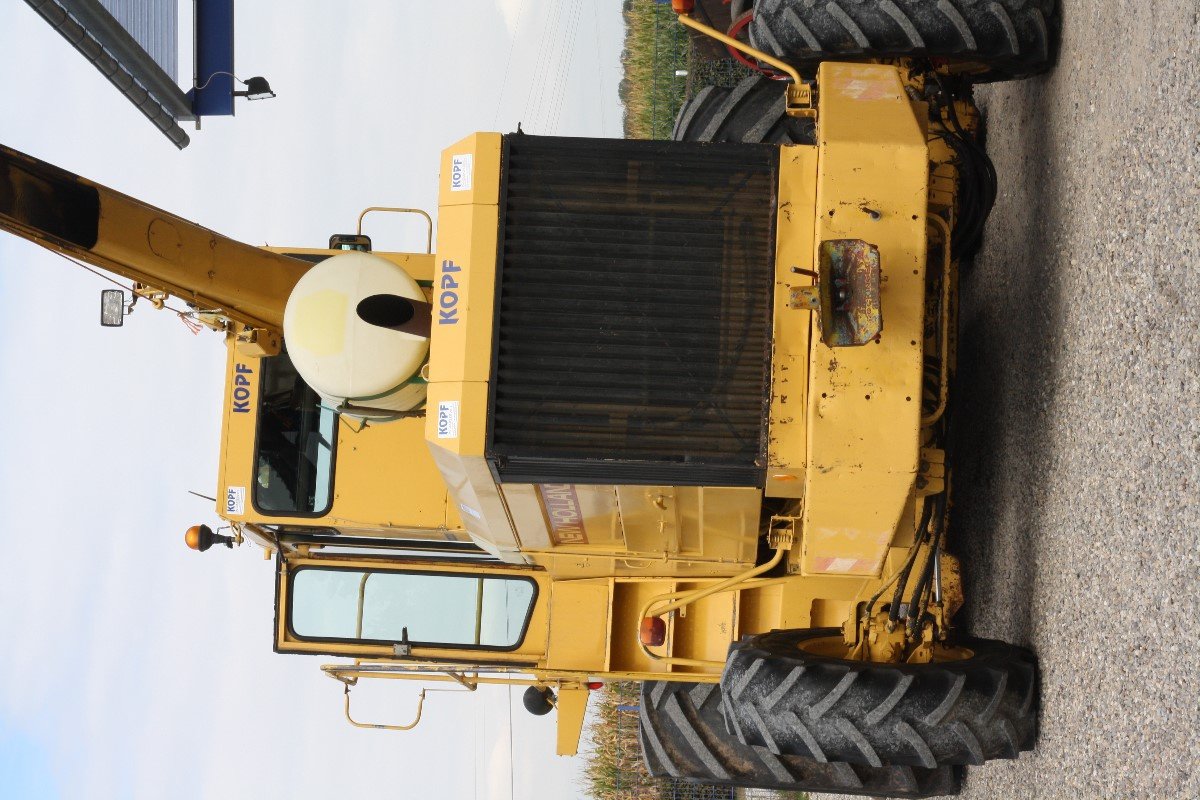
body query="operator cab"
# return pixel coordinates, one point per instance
(290, 458)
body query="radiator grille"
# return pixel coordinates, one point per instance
(634, 312)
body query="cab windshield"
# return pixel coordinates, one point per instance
(424, 608)
(295, 444)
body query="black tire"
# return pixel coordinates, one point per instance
(752, 111)
(683, 736)
(1012, 38)
(953, 712)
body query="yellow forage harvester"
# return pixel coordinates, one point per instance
(673, 412)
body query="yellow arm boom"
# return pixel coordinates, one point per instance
(69, 214)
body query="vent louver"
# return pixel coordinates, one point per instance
(634, 312)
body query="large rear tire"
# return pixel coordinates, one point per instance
(752, 111)
(782, 694)
(1007, 38)
(683, 736)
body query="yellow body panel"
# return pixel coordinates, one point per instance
(239, 414)
(579, 519)
(456, 420)
(463, 294)
(454, 433)
(470, 173)
(864, 402)
(572, 644)
(465, 264)
(374, 490)
(572, 709)
(460, 347)
(787, 454)
(635, 530)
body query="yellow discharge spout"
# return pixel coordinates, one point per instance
(74, 216)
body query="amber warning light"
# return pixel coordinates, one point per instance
(201, 537)
(653, 631)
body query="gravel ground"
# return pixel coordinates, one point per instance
(1077, 482)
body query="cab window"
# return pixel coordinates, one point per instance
(423, 608)
(295, 444)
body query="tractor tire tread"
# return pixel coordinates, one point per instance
(1014, 38)
(753, 111)
(954, 712)
(682, 732)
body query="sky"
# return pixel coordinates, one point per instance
(133, 667)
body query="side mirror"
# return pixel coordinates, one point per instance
(350, 241)
(112, 308)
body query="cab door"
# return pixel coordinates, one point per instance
(428, 610)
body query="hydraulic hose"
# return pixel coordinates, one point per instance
(904, 569)
(921, 535)
(914, 602)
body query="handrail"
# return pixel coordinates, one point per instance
(362, 591)
(378, 726)
(782, 547)
(745, 48)
(398, 210)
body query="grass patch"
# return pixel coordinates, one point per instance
(614, 769)
(656, 46)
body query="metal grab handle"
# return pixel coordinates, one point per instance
(783, 67)
(378, 726)
(783, 544)
(397, 210)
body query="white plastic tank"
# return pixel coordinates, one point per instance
(357, 328)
